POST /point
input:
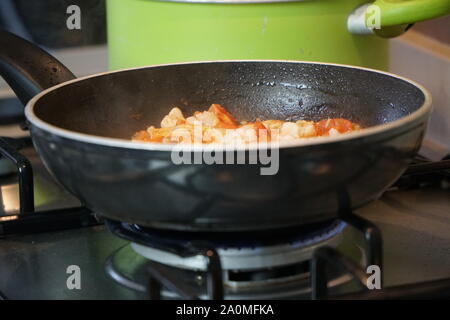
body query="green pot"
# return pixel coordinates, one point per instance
(145, 32)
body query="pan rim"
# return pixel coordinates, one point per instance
(415, 116)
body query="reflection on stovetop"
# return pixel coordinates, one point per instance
(38, 247)
(415, 225)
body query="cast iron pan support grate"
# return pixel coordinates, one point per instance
(28, 220)
(159, 276)
(326, 257)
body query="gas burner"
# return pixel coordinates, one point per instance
(172, 240)
(262, 265)
(251, 254)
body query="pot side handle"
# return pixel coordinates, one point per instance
(27, 68)
(390, 18)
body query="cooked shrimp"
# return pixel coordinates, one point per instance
(217, 125)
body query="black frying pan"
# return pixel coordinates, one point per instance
(82, 128)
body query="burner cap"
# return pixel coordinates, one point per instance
(297, 236)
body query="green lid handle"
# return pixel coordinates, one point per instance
(390, 18)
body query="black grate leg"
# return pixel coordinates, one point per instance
(326, 257)
(371, 233)
(372, 236)
(25, 174)
(160, 276)
(215, 275)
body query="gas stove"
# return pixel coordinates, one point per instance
(255, 265)
(46, 232)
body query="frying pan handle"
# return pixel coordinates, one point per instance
(27, 68)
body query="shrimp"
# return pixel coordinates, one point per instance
(217, 125)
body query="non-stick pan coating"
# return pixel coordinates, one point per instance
(119, 104)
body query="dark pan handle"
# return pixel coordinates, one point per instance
(27, 68)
